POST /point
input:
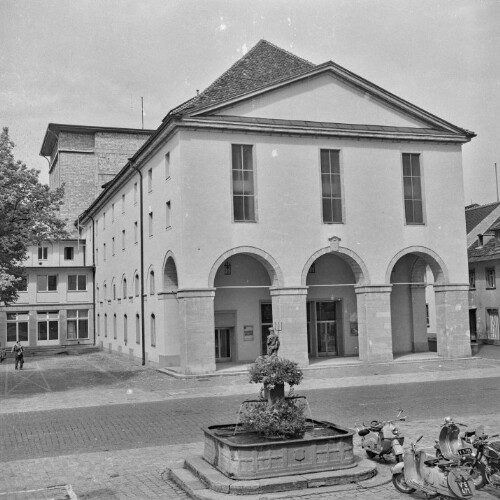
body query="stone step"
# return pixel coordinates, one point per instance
(203, 482)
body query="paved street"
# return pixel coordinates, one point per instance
(95, 426)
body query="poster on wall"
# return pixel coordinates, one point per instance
(248, 332)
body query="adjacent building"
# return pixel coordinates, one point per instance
(56, 306)
(483, 241)
(288, 195)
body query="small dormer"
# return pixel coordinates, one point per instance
(480, 240)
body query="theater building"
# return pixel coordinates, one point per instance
(291, 195)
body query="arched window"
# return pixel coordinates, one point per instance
(105, 325)
(153, 330)
(151, 283)
(137, 329)
(98, 325)
(114, 291)
(114, 327)
(125, 329)
(124, 288)
(137, 285)
(97, 294)
(105, 292)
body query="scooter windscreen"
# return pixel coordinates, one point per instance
(450, 443)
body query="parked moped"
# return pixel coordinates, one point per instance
(457, 446)
(433, 476)
(486, 461)
(380, 439)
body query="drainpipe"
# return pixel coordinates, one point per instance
(141, 223)
(93, 271)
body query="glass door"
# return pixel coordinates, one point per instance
(17, 328)
(266, 322)
(326, 328)
(222, 344)
(47, 327)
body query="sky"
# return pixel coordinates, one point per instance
(89, 62)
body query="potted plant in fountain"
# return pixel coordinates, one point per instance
(275, 416)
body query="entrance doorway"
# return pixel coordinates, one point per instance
(473, 324)
(326, 328)
(222, 344)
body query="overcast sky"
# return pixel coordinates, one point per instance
(89, 62)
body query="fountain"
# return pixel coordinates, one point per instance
(273, 440)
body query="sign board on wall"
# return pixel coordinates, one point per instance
(248, 332)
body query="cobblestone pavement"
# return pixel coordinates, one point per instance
(98, 427)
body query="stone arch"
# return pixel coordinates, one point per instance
(426, 256)
(264, 258)
(150, 281)
(170, 277)
(124, 290)
(353, 259)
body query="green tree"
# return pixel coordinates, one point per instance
(28, 216)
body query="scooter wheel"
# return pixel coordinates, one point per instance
(370, 454)
(399, 458)
(477, 474)
(398, 480)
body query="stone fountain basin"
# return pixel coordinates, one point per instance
(246, 455)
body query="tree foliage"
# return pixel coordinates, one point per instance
(28, 216)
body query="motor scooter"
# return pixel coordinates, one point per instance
(441, 478)
(486, 461)
(457, 446)
(380, 439)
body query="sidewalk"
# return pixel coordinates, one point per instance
(101, 379)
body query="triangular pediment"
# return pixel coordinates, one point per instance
(322, 98)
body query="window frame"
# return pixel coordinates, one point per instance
(77, 283)
(21, 317)
(472, 279)
(47, 320)
(79, 319)
(341, 184)
(252, 147)
(419, 154)
(44, 251)
(490, 271)
(71, 251)
(48, 289)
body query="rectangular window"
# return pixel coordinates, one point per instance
(151, 224)
(123, 203)
(46, 283)
(137, 329)
(17, 327)
(125, 329)
(48, 325)
(153, 331)
(167, 166)
(472, 279)
(493, 330)
(150, 180)
(135, 193)
(113, 245)
(104, 220)
(490, 278)
(78, 324)
(123, 239)
(112, 212)
(412, 187)
(168, 212)
(23, 286)
(69, 253)
(77, 282)
(136, 232)
(331, 190)
(115, 327)
(43, 253)
(104, 252)
(243, 183)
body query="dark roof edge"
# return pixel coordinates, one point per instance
(54, 128)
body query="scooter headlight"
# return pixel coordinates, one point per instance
(395, 431)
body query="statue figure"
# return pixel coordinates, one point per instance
(273, 343)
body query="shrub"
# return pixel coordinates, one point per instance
(284, 420)
(271, 370)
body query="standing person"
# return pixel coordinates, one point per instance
(18, 349)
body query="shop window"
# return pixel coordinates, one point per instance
(17, 327)
(78, 324)
(47, 325)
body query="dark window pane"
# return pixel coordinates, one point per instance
(248, 182)
(325, 161)
(42, 331)
(337, 210)
(327, 210)
(82, 282)
(238, 182)
(23, 332)
(83, 329)
(406, 165)
(71, 334)
(52, 282)
(267, 313)
(417, 189)
(238, 208)
(53, 330)
(326, 185)
(41, 283)
(408, 188)
(334, 162)
(11, 332)
(249, 208)
(236, 157)
(325, 311)
(336, 186)
(247, 158)
(409, 211)
(415, 165)
(72, 282)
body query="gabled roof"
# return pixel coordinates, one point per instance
(489, 251)
(262, 65)
(480, 220)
